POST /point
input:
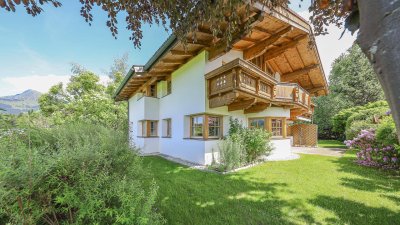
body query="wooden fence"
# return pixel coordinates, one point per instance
(304, 134)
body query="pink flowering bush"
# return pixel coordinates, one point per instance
(372, 153)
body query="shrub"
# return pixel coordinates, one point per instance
(79, 174)
(373, 154)
(232, 154)
(386, 132)
(344, 121)
(257, 143)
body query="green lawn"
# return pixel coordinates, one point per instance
(310, 190)
(331, 144)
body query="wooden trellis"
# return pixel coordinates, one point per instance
(304, 134)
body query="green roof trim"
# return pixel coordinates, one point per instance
(167, 45)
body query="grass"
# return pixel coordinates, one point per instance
(330, 144)
(311, 190)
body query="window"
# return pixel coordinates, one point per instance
(169, 87)
(196, 124)
(257, 123)
(153, 90)
(153, 128)
(214, 126)
(148, 128)
(167, 128)
(276, 127)
(205, 126)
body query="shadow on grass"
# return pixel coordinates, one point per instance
(368, 179)
(350, 212)
(188, 196)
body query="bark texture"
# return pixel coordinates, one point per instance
(379, 39)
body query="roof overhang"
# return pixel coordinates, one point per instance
(280, 38)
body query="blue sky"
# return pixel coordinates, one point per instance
(36, 52)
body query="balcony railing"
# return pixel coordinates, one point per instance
(242, 78)
(293, 93)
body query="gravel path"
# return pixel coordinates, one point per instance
(337, 152)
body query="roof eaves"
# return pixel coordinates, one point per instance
(159, 53)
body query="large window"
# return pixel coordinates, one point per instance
(257, 123)
(148, 128)
(205, 126)
(276, 127)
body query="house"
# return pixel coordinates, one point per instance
(181, 100)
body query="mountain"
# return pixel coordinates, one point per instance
(19, 103)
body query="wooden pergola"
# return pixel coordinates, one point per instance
(278, 41)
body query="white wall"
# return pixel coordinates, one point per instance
(145, 108)
(187, 97)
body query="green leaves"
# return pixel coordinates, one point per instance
(82, 174)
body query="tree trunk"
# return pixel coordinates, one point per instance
(379, 39)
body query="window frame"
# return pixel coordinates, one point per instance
(277, 127)
(146, 131)
(219, 126)
(268, 125)
(205, 126)
(258, 118)
(192, 126)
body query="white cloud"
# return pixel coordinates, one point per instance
(41, 83)
(329, 46)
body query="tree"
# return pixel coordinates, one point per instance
(353, 79)
(377, 22)
(352, 82)
(86, 99)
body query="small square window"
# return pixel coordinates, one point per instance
(148, 128)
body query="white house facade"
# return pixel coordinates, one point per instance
(181, 101)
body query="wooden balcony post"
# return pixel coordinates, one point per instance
(296, 94)
(257, 85)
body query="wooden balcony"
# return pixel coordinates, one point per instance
(241, 85)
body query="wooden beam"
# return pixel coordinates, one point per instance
(312, 90)
(241, 105)
(174, 61)
(260, 29)
(279, 50)
(250, 39)
(256, 108)
(181, 53)
(293, 75)
(220, 47)
(149, 82)
(261, 47)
